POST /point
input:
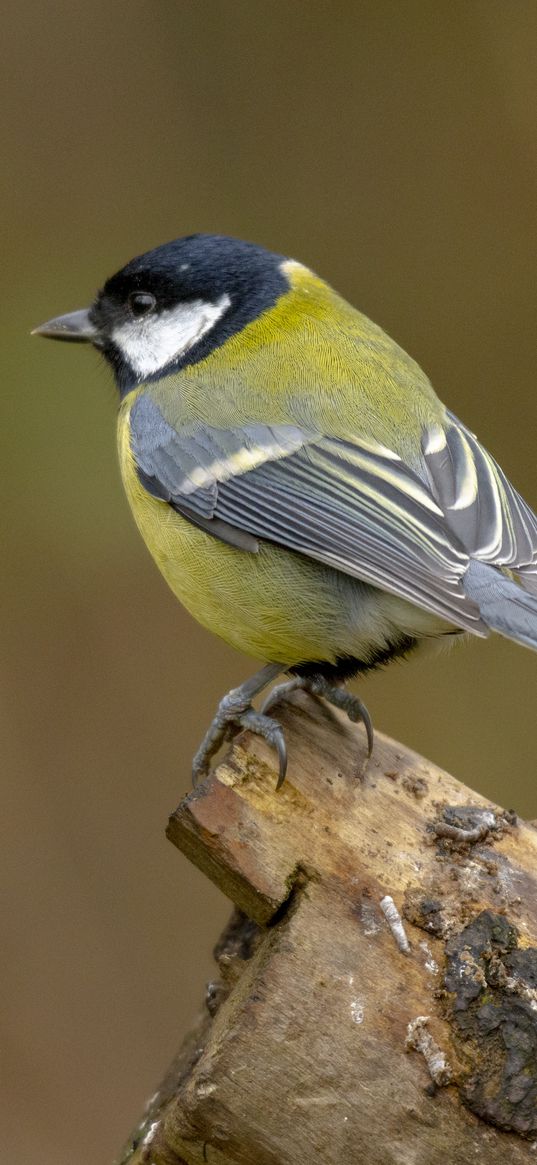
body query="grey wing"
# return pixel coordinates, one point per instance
(491, 520)
(186, 469)
(351, 504)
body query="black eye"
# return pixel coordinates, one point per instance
(141, 303)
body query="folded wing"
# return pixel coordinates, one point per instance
(346, 502)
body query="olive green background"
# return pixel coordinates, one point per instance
(391, 145)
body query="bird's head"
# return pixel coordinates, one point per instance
(172, 306)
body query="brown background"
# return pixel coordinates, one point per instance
(392, 146)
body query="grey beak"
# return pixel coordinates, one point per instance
(75, 326)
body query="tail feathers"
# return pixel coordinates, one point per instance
(504, 606)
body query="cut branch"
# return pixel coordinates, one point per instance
(376, 999)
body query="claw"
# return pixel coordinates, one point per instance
(356, 711)
(368, 725)
(333, 693)
(272, 732)
(282, 757)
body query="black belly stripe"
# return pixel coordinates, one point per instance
(347, 666)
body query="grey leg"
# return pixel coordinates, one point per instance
(234, 713)
(335, 694)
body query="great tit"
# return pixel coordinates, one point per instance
(300, 485)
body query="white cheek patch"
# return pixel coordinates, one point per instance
(150, 343)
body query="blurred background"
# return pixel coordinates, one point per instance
(389, 144)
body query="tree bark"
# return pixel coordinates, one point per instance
(377, 992)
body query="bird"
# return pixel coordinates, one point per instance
(300, 485)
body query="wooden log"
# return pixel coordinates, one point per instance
(377, 999)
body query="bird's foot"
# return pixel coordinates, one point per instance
(234, 714)
(335, 694)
